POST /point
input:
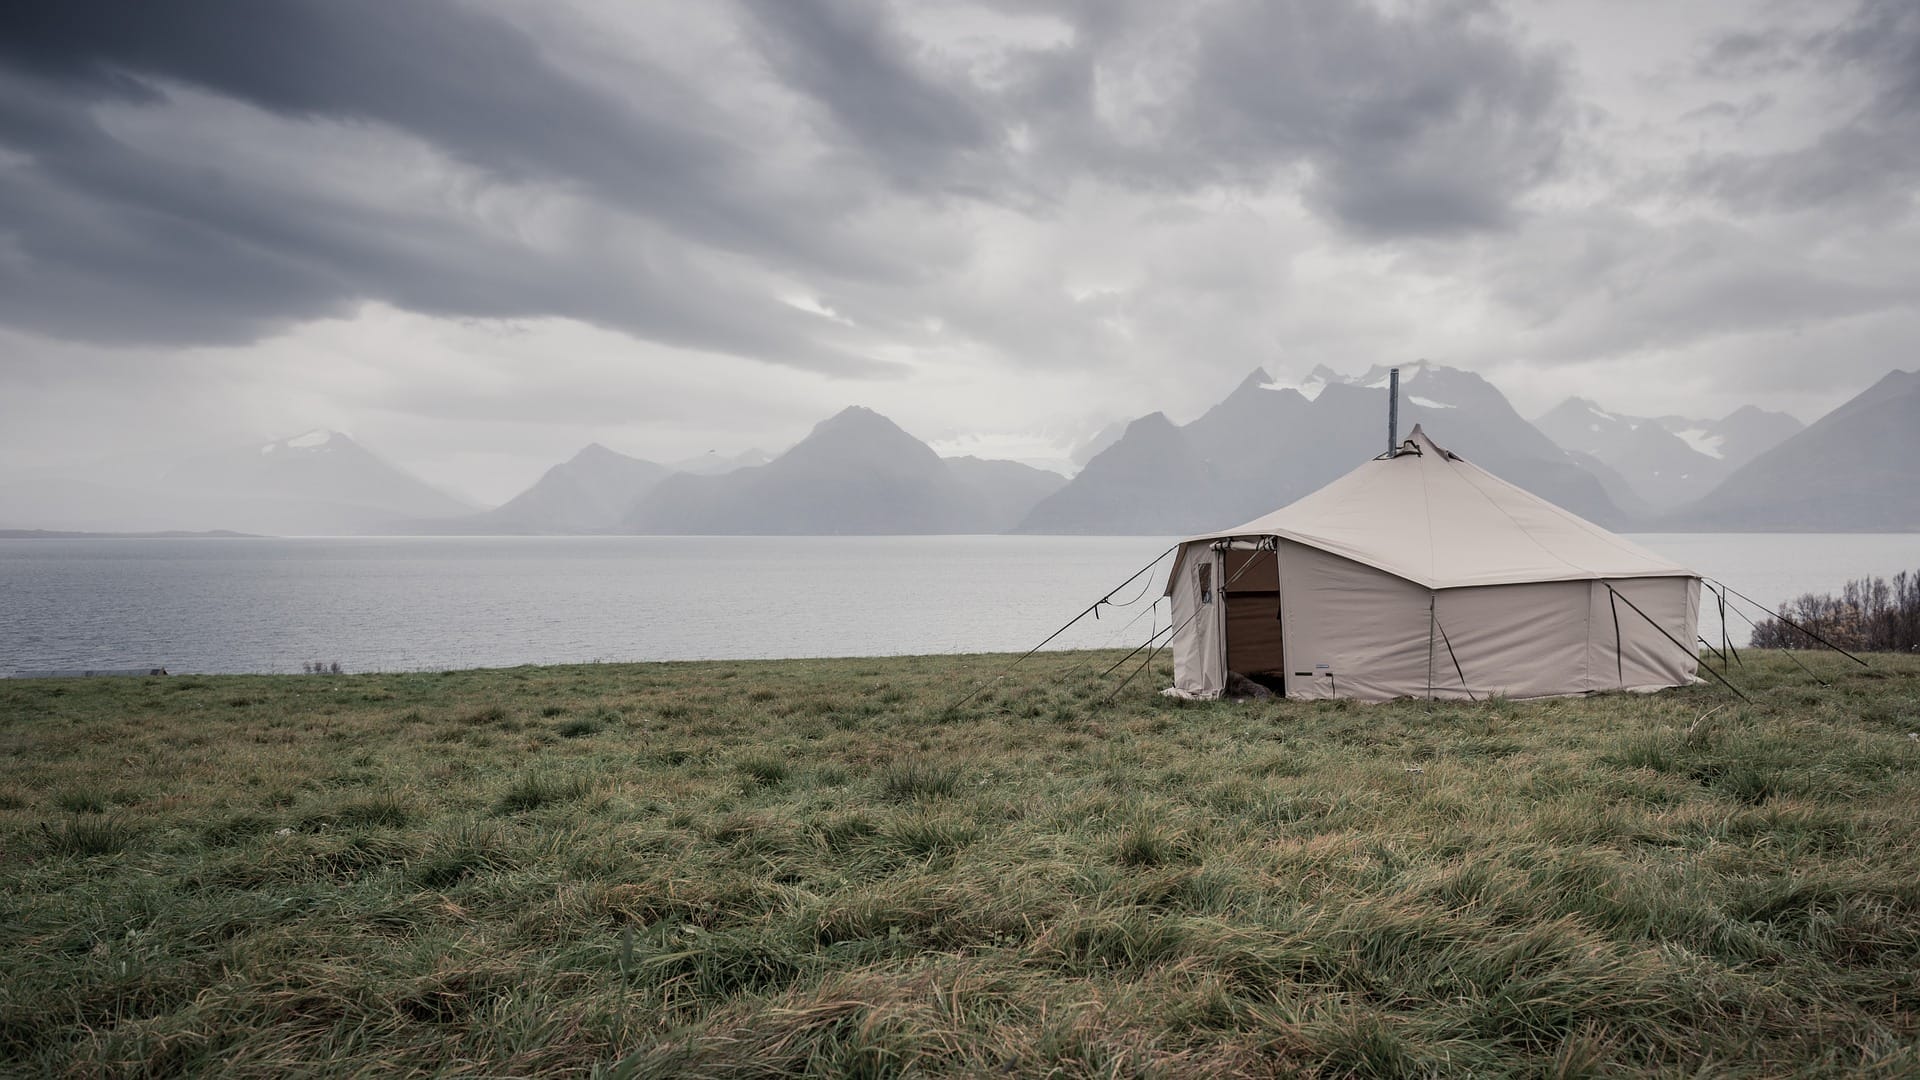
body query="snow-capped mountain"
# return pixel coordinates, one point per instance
(1087, 448)
(1663, 469)
(315, 466)
(1851, 470)
(1738, 437)
(1667, 461)
(319, 481)
(1272, 441)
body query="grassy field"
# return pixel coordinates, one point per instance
(760, 869)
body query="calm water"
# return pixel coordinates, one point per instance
(249, 605)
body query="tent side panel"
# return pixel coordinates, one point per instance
(1199, 661)
(1354, 631)
(1519, 641)
(1645, 658)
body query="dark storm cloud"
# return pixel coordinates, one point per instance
(1883, 38)
(1866, 163)
(472, 85)
(124, 248)
(915, 126)
(1430, 121)
(109, 246)
(102, 241)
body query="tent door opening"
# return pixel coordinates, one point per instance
(1254, 641)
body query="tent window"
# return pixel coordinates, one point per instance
(1205, 574)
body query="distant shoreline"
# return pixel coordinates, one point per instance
(69, 534)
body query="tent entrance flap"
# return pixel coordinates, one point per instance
(1255, 645)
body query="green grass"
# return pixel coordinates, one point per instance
(760, 869)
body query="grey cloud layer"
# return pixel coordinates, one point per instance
(1870, 161)
(1430, 122)
(1433, 122)
(1136, 194)
(111, 241)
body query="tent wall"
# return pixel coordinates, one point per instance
(1647, 659)
(1350, 630)
(1199, 643)
(1517, 641)
(1362, 633)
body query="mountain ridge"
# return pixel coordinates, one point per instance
(1850, 471)
(856, 473)
(1264, 443)
(320, 482)
(589, 492)
(1669, 461)
(1267, 443)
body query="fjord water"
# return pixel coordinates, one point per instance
(406, 603)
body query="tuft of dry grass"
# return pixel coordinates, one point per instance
(817, 868)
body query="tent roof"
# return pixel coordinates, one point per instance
(1442, 522)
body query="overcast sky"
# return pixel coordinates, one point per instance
(478, 235)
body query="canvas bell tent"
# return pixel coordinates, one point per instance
(1419, 574)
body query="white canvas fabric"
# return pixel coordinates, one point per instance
(1423, 575)
(1199, 648)
(1436, 520)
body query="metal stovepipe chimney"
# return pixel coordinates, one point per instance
(1393, 411)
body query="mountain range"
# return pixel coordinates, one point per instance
(856, 473)
(1666, 461)
(1265, 444)
(589, 492)
(1269, 443)
(319, 483)
(1852, 470)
